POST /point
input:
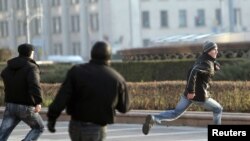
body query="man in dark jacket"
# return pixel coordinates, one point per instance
(23, 95)
(90, 93)
(198, 79)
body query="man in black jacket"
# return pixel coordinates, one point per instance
(91, 94)
(198, 79)
(23, 95)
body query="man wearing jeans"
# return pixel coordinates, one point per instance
(23, 95)
(198, 79)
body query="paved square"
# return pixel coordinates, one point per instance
(122, 132)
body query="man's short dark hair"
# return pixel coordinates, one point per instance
(25, 49)
(101, 51)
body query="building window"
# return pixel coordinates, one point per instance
(20, 4)
(75, 23)
(94, 22)
(200, 18)
(237, 16)
(35, 3)
(218, 16)
(93, 1)
(21, 28)
(145, 19)
(55, 3)
(3, 5)
(58, 49)
(57, 24)
(74, 2)
(145, 42)
(4, 29)
(164, 18)
(76, 48)
(36, 26)
(182, 18)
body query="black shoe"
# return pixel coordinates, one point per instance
(149, 122)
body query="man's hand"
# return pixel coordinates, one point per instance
(38, 108)
(51, 126)
(190, 96)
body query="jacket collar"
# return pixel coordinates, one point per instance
(100, 62)
(207, 57)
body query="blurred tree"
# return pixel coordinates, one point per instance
(5, 54)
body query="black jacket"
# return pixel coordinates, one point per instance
(21, 80)
(199, 77)
(91, 92)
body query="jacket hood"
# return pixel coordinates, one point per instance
(19, 62)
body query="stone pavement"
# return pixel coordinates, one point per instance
(120, 132)
(189, 118)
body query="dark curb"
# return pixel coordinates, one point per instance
(189, 118)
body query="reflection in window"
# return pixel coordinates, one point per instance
(4, 29)
(164, 18)
(58, 49)
(237, 16)
(200, 18)
(20, 4)
(36, 26)
(76, 48)
(56, 24)
(35, 3)
(74, 2)
(218, 16)
(182, 18)
(146, 42)
(94, 22)
(55, 3)
(145, 19)
(3, 5)
(75, 23)
(21, 28)
(93, 1)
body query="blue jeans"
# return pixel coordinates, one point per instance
(86, 131)
(13, 114)
(184, 103)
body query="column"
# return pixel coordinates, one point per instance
(84, 22)
(46, 28)
(12, 42)
(65, 27)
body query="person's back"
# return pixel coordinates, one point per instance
(15, 81)
(23, 95)
(91, 93)
(96, 93)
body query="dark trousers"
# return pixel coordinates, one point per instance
(86, 131)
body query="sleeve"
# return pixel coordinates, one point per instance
(198, 69)
(34, 87)
(217, 66)
(123, 98)
(62, 98)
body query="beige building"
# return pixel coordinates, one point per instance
(70, 27)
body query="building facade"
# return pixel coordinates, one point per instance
(70, 27)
